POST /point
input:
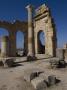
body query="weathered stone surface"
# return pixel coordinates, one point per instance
(31, 28)
(44, 76)
(60, 53)
(66, 54)
(62, 63)
(31, 58)
(57, 62)
(54, 62)
(39, 83)
(8, 62)
(1, 63)
(4, 46)
(31, 74)
(65, 46)
(51, 80)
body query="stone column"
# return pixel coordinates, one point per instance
(25, 44)
(12, 38)
(36, 44)
(30, 31)
(4, 46)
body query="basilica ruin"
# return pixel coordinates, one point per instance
(41, 67)
(42, 21)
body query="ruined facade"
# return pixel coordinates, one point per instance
(42, 21)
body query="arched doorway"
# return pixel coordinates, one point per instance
(41, 42)
(20, 43)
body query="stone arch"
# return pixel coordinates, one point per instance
(12, 29)
(41, 42)
(44, 21)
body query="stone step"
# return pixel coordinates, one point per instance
(42, 56)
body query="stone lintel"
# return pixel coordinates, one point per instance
(44, 15)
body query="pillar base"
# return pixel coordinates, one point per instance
(31, 58)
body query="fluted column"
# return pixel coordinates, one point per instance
(30, 30)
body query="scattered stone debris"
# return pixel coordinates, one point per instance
(39, 80)
(8, 62)
(57, 63)
(39, 83)
(43, 82)
(60, 53)
(1, 63)
(31, 58)
(31, 74)
(51, 80)
(62, 63)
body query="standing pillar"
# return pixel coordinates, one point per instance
(30, 31)
(12, 39)
(4, 46)
(52, 44)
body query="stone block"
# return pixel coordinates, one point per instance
(57, 63)
(54, 62)
(66, 54)
(44, 76)
(30, 76)
(8, 62)
(60, 53)
(1, 63)
(51, 80)
(62, 63)
(39, 83)
(31, 58)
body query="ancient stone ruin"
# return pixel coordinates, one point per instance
(42, 21)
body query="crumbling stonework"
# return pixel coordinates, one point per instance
(4, 46)
(42, 21)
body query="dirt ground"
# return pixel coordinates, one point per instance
(12, 78)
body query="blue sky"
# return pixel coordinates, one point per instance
(15, 9)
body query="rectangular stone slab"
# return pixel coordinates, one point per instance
(31, 74)
(39, 83)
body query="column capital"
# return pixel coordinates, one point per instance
(29, 7)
